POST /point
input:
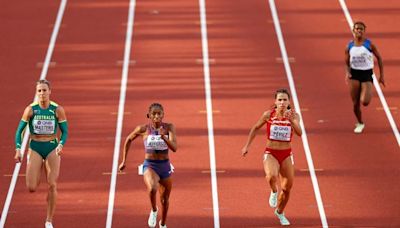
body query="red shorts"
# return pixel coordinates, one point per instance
(280, 155)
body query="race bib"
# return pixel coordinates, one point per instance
(155, 142)
(43, 127)
(280, 133)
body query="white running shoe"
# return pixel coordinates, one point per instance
(153, 218)
(273, 199)
(282, 219)
(359, 128)
(48, 225)
(161, 226)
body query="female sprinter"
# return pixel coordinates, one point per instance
(158, 138)
(281, 122)
(43, 117)
(359, 69)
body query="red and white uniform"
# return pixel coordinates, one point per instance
(279, 129)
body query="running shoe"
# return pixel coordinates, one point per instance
(153, 218)
(282, 219)
(48, 225)
(273, 199)
(359, 128)
(162, 226)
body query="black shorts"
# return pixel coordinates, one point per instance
(361, 75)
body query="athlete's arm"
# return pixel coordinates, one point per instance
(63, 124)
(18, 134)
(171, 140)
(139, 130)
(380, 64)
(347, 64)
(295, 120)
(261, 122)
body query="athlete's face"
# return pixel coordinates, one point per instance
(43, 92)
(282, 101)
(156, 115)
(359, 30)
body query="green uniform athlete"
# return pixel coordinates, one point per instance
(43, 118)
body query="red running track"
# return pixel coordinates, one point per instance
(356, 173)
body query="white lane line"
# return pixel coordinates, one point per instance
(207, 84)
(124, 80)
(26, 135)
(297, 107)
(376, 83)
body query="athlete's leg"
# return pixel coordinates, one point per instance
(355, 91)
(33, 170)
(52, 173)
(151, 180)
(271, 168)
(287, 176)
(165, 191)
(366, 93)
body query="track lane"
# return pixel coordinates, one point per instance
(316, 34)
(25, 39)
(248, 69)
(379, 20)
(166, 68)
(85, 81)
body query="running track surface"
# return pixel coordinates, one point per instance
(357, 174)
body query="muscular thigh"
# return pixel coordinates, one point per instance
(165, 187)
(287, 172)
(34, 167)
(355, 89)
(151, 178)
(271, 165)
(366, 92)
(52, 167)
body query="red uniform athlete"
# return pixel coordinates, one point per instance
(281, 122)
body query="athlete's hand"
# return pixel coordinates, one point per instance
(347, 78)
(121, 166)
(59, 149)
(245, 150)
(18, 157)
(163, 132)
(290, 114)
(382, 81)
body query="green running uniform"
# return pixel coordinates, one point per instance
(43, 122)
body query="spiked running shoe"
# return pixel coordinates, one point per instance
(282, 219)
(48, 225)
(153, 218)
(359, 128)
(273, 199)
(162, 226)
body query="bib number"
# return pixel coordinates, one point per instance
(155, 142)
(280, 133)
(43, 127)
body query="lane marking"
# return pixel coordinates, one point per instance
(307, 170)
(207, 85)
(209, 171)
(10, 175)
(118, 132)
(280, 60)
(210, 61)
(297, 107)
(41, 64)
(26, 134)
(213, 111)
(375, 81)
(390, 108)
